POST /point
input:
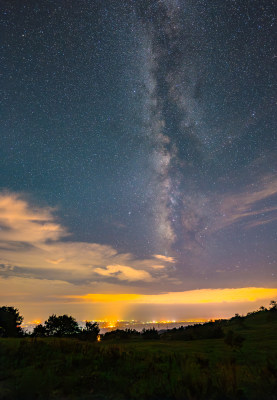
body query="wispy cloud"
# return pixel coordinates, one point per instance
(202, 215)
(124, 273)
(249, 205)
(165, 258)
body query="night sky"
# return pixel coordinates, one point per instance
(138, 156)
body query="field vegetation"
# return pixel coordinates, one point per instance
(221, 360)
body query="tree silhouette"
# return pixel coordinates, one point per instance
(119, 334)
(10, 321)
(273, 305)
(40, 331)
(90, 332)
(62, 325)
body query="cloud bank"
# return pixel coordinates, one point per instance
(33, 245)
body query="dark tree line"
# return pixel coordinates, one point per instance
(67, 326)
(57, 326)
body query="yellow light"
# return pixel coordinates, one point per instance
(36, 321)
(199, 296)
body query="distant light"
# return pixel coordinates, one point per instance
(36, 321)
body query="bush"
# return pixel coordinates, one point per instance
(119, 334)
(90, 332)
(150, 334)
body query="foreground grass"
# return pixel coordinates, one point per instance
(54, 368)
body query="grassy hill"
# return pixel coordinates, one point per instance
(165, 369)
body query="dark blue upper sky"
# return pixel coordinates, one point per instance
(150, 126)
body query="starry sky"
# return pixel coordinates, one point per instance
(138, 157)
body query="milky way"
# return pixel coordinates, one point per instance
(211, 139)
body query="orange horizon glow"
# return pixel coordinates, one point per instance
(193, 306)
(113, 324)
(198, 296)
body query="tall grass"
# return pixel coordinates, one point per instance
(210, 369)
(41, 369)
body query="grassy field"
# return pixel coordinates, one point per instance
(52, 368)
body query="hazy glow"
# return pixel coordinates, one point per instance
(188, 297)
(211, 296)
(107, 298)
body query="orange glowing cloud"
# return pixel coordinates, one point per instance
(211, 296)
(124, 273)
(165, 258)
(55, 262)
(21, 223)
(201, 296)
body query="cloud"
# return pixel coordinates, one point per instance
(202, 215)
(158, 266)
(124, 273)
(164, 258)
(200, 296)
(55, 261)
(20, 223)
(249, 206)
(32, 245)
(211, 296)
(260, 222)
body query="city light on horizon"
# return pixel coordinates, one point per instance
(191, 306)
